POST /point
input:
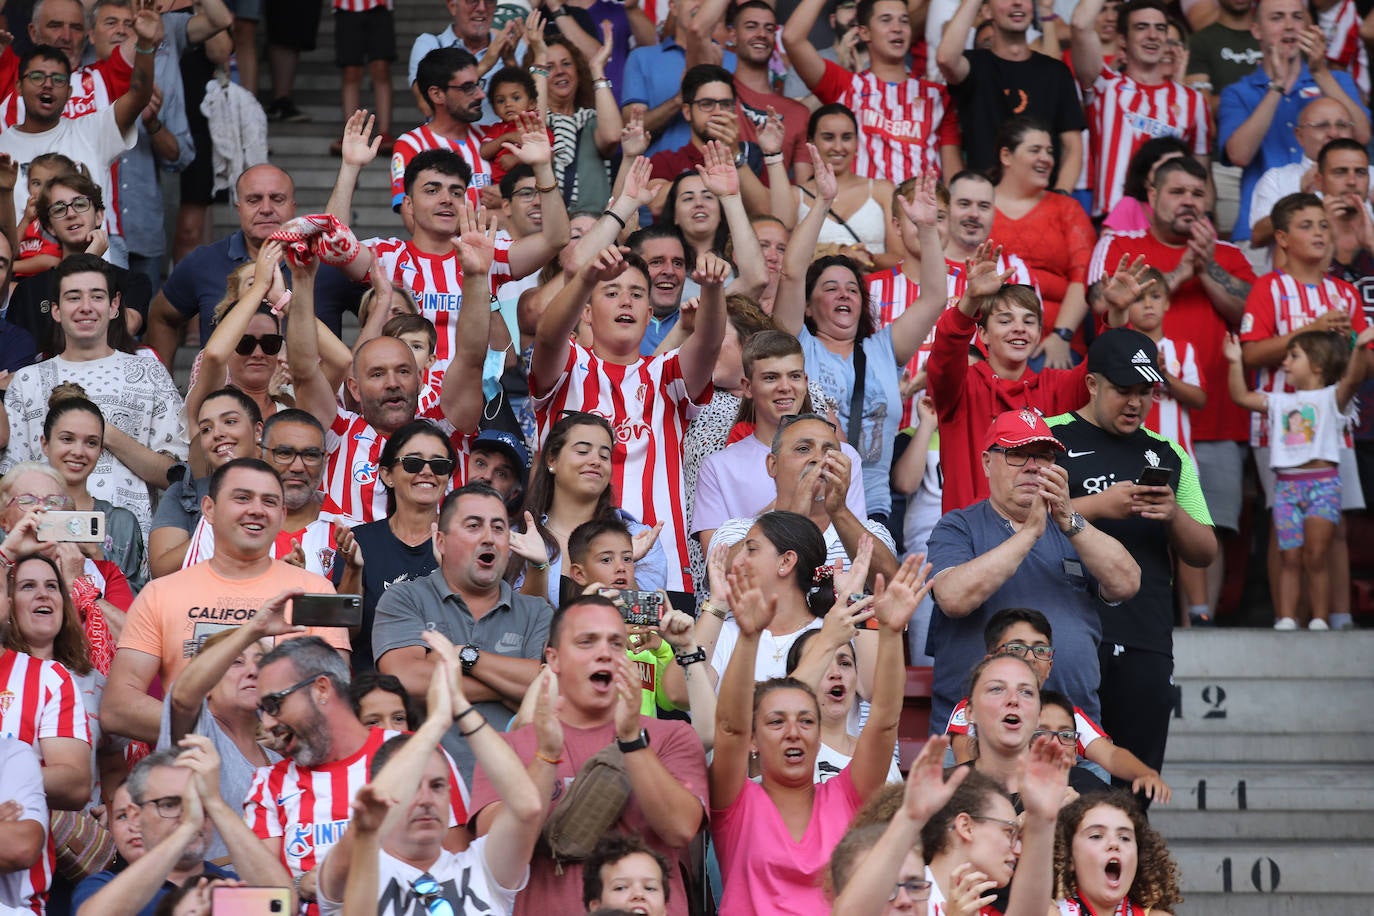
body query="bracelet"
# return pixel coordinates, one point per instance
(709, 608)
(559, 13)
(539, 71)
(602, 84)
(541, 566)
(691, 658)
(460, 715)
(553, 763)
(138, 50)
(546, 189)
(614, 215)
(771, 158)
(480, 726)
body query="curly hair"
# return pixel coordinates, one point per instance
(1156, 884)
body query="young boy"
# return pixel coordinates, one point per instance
(624, 872)
(512, 92)
(1026, 633)
(601, 551)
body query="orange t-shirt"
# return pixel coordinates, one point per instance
(174, 614)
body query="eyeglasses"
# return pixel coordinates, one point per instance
(270, 343)
(710, 105)
(37, 78)
(1019, 459)
(414, 464)
(1021, 650)
(915, 889)
(28, 501)
(169, 806)
(285, 455)
(271, 704)
(1011, 829)
(471, 87)
(431, 894)
(524, 194)
(1327, 125)
(1068, 737)
(76, 204)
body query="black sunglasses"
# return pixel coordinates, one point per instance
(414, 464)
(271, 703)
(270, 343)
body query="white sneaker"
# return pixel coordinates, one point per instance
(1342, 622)
(1318, 625)
(1285, 623)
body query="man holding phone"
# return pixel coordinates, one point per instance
(1143, 490)
(500, 633)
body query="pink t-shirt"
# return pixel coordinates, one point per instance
(764, 870)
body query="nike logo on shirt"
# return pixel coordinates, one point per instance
(1072, 454)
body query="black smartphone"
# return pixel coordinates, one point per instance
(324, 610)
(639, 608)
(1155, 477)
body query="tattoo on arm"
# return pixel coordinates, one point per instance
(1233, 286)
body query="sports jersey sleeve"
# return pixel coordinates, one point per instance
(1103, 260)
(958, 719)
(62, 714)
(9, 66)
(116, 71)
(1188, 366)
(1259, 321)
(1088, 731)
(1189, 492)
(1199, 115)
(260, 811)
(1358, 320)
(834, 83)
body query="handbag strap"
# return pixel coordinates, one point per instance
(856, 397)
(831, 214)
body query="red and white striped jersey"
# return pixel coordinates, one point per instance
(1278, 305)
(309, 807)
(361, 6)
(422, 138)
(1123, 114)
(437, 282)
(93, 87)
(38, 700)
(1344, 47)
(353, 490)
(316, 540)
(902, 126)
(648, 406)
(1167, 416)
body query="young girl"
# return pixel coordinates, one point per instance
(1306, 429)
(1107, 859)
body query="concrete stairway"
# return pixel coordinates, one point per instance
(1271, 758)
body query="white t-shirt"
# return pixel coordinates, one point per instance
(771, 661)
(94, 140)
(1304, 426)
(467, 882)
(830, 763)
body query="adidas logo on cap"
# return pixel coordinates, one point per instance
(1141, 357)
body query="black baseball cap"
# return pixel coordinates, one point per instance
(1125, 357)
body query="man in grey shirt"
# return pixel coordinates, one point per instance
(500, 634)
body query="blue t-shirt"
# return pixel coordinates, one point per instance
(882, 409)
(1280, 146)
(91, 886)
(1051, 579)
(653, 75)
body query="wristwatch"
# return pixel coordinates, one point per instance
(468, 656)
(638, 744)
(742, 158)
(1077, 524)
(1064, 334)
(1276, 86)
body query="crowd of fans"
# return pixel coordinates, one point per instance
(711, 379)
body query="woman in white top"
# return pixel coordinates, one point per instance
(859, 223)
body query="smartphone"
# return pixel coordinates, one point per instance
(1155, 477)
(73, 527)
(250, 901)
(639, 608)
(323, 610)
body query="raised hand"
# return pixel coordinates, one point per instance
(717, 575)
(718, 171)
(841, 622)
(370, 807)
(753, 612)
(1230, 348)
(597, 62)
(894, 604)
(772, 134)
(638, 176)
(608, 264)
(678, 629)
(628, 698)
(927, 790)
(529, 544)
(534, 147)
(642, 542)
(200, 757)
(634, 139)
(534, 37)
(852, 580)
(359, 147)
(711, 270)
(1127, 284)
(1043, 772)
(148, 26)
(924, 207)
(981, 269)
(269, 261)
(826, 185)
(548, 730)
(475, 241)
(9, 172)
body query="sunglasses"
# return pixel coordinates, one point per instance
(271, 344)
(431, 895)
(271, 703)
(414, 464)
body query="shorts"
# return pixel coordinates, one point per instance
(248, 10)
(1352, 495)
(360, 38)
(1221, 471)
(1300, 495)
(294, 24)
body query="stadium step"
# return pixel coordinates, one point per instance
(1271, 759)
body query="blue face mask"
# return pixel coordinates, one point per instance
(492, 368)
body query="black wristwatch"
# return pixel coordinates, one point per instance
(691, 658)
(468, 656)
(638, 744)
(1064, 334)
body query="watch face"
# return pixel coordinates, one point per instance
(468, 654)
